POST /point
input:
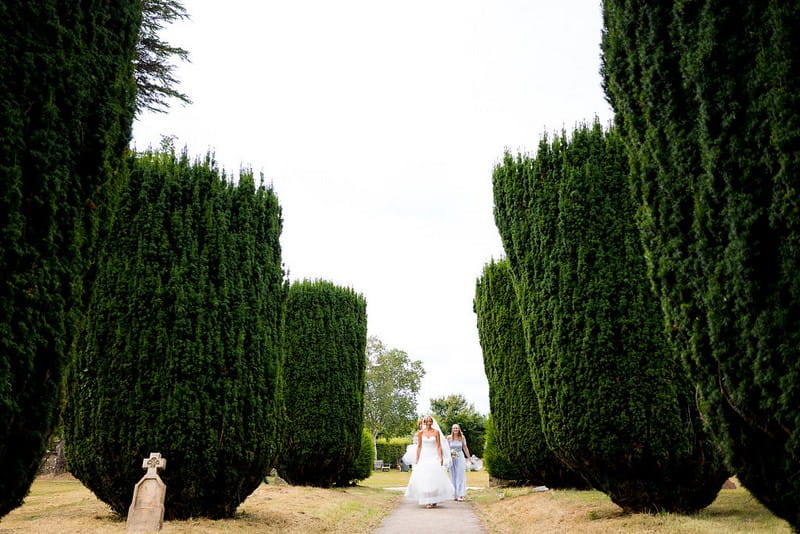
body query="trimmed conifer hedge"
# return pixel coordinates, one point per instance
(325, 340)
(495, 459)
(181, 350)
(391, 450)
(516, 449)
(616, 405)
(362, 467)
(707, 97)
(68, 101)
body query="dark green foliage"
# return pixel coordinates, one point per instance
(68, 98)
(181, 350)
(707, 97)
(497, 462)
(391, 450)
(516, 449)
(361, 468)
(365, 459)
(325, 340)
(616, 405)
(454, 409)
(154, 58)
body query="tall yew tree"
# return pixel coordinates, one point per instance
(616, 405)
(707, 97)
(516, 449)
(181, 349)
(326, 341)
(68, 99)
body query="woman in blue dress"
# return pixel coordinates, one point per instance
(458, 467)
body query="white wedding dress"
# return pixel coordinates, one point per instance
(429, 483)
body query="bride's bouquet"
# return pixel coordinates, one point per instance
(448, 455)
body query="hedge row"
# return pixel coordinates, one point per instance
(68, 100)
(516, 448)
(325, 340)
(391, 450)
(707, 97)
(180, 352)
(616, 405)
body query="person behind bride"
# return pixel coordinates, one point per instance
(458, 467)
(429, 484)
(411, 450)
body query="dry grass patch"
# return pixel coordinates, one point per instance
(65, 506)
(299, 509)
(61, 505)
(519, 510)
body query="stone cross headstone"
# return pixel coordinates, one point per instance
(146, 513)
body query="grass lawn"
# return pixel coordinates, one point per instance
(518, 510)
(63, 505)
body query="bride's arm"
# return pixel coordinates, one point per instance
(419, 445)
(439, 449)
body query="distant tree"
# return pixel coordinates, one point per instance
(454, 409)
(67, 106)
(392, 385)
(155, 78)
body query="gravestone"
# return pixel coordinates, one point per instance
(146, 513)
(60, 465)
(278, 480)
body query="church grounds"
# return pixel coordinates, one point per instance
(63, 505)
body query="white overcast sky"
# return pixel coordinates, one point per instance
(378, 124)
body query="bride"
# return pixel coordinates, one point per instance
(429, 483)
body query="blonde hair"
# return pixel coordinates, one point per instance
(460, 433)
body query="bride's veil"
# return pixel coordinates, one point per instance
(446, 458)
